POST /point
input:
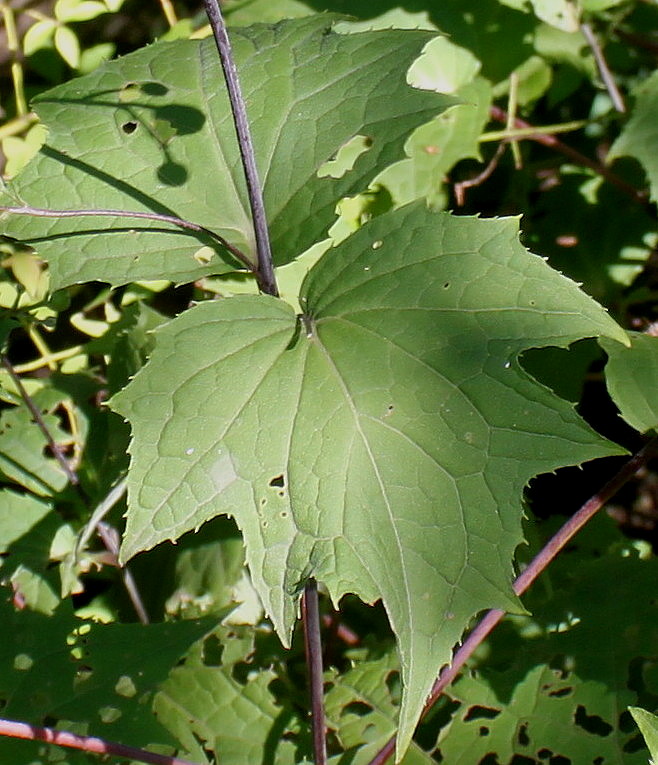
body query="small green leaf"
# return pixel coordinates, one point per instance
(38, 35)
(204, 700)
(67, 11)
(562, 14)
(68, 46)
(631, 376)
(648, 725)
(382, 444)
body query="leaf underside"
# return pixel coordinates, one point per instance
(152, 132)
(382, 444)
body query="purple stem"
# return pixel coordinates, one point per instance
(85, 743)
(103, 213)
(313, 645)
(265, 274)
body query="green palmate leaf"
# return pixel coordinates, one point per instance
(639, 137)
(557, 683)
(362, 707)
(209, 706)
(152, 132)
(631, 377)
(102, 677)
(380, 445)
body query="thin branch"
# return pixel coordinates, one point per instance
(500, 115)
(265, 273)
(524, 580)
(40, 422)
(180, 222)
(92, 744)
(461, 186)
(531, 132)
(313, 645)
(604, 71)
(111, 544)
(110, 538)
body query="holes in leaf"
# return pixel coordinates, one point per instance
(277, 482)
(483, 731)
(559, 693)
(125, 687)
(394, 686)
(212, 651)
(345, 158)
(446, 285)
(129, 127)
(240, 672)
(478, 712)
(519, 759)
(357, 708)
(131, 91)
(109, 714)
(522, 735)
(544, 754)
(592, 723)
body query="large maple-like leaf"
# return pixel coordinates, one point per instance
(152, 132)
(381, 442)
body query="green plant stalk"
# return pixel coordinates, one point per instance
(16, 67)
(511, 115)
(169, 12)
(510, 134)
(538, 564)
(22, 730)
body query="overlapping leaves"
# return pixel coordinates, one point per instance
(152, 132)
(381, 442)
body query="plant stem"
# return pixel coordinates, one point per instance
(85, 743)
(265, 273)
(38, 419)
(524, 580)
(313, 645)
(16, 67)
(604, 71)
(552, 142)
(41, 212)
(169, 12)
(110, 544)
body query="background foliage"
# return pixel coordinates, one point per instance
(547, 110)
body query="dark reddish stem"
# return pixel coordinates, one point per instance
(265, 273)
(524, 580)
(313, 645)
(85, 743)
(41, 212)
(55, 448)
(546, 139)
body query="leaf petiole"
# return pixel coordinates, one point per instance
(180, 222)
